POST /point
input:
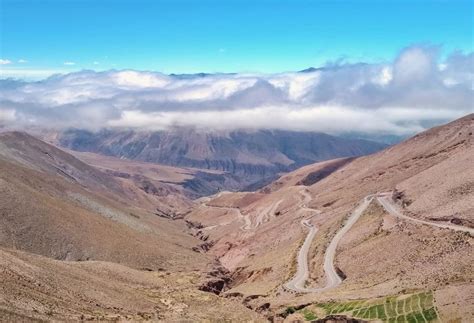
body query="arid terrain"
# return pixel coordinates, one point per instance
(237, 161)
(430, 180)
(382, 237)
(78, 243)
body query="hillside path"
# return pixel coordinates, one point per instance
(332, 278)
(390, 207)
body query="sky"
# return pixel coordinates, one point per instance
(383, 68)
(190, 36)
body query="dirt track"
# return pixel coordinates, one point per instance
(384, 200)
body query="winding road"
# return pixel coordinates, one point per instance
(297, 283)
(385, 200)
(264, 216)
(245, 218)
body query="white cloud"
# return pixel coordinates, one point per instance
(95, 63)
(329, 119)
(22, 61)
(414, 64)
(69, 63)
(5, 61)
(385, 76)
(399, 97)
(139, 79)
(7, 115)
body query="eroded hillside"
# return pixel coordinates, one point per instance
(388, 236)
(79, 243)
(427, 178)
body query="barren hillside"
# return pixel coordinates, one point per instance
(386, 236)
(92, 235)
(430, 178)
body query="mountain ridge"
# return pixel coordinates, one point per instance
(256, 157)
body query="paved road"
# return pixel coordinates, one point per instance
(385, 200)
(297, 283)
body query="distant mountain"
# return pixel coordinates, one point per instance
(309, 70)
(256, 157)
(197, 75)
(332, 67)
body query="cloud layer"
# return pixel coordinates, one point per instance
(393, 98)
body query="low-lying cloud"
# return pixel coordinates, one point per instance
(393, 98)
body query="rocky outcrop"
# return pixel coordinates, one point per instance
(204, 247)
(215, 286)
(217, 281)
(454, 219)
(400, 198)
(340, 273)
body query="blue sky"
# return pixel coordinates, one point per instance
(223, 36)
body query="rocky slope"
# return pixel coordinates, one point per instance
(56, 205)
(251, 158)
(61, 226)
(76, 244)
(257, 235)
(40, 289)
(132, 187)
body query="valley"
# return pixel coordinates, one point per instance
(237, 161)
(305, 249)
(377, 237)
(231, 160)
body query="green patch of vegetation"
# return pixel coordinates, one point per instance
(391, 306)
(430, 314)
(428, 301)
(414, 301)
(347, 307)
(398, 307)
(326, 306)
(357, 312)
(372, 312)
(309, 316)
(381, 312)
(416, 308)
(365, 312)
(414, 317)
(401, 319)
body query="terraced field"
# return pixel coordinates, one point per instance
(410, 308)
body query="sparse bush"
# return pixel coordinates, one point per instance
(290, 310)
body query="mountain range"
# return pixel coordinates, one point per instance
(246, 159)
(94, 227)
